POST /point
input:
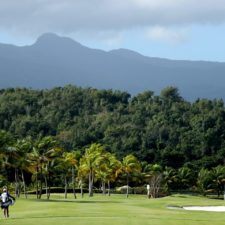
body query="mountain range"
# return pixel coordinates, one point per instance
(57, 61)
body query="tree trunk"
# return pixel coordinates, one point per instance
(91, 179)
(24, 184)
(109, 188)
(103, 188)
(81, 188)
(41, 184)
(127, 186)
(17, 183)
(46, 186)
(37, 188)
(49, 188)
(73, 182)
(66, 186)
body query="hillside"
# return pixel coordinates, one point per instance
(161, 129)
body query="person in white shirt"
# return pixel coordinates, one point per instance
(6, 201)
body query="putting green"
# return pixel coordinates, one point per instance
(116, 209)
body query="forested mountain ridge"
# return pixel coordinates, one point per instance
(57, 61)
(164, 129)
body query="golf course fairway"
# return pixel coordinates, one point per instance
(113, 210)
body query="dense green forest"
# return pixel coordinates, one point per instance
(162, 130)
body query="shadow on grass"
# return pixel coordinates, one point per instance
(63, 217)
(215, 197)
(111, 217)
(73, 201)
(179, 196)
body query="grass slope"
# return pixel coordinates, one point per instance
(112, 210)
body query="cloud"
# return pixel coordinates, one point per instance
(106, 39)
(110, 39)
(165, 34)
(68, 16)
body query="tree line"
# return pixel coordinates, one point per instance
(42, 164)
(165, 133)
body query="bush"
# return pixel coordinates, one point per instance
(3, 181)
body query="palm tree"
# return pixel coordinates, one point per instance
(130, 165)
(74, 160)
(218, 176)
(185, 177)
(107, 170)
(35, 162)
(170, 177)
(43, 154)
(90, 162)
(14, 156)
(11, 159)
(82, 174)
(69, 163)
(23, 147)
(114, 169)
(103, 170)
(204, 181)
(64, 167)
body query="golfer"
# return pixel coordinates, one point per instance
(6, 201)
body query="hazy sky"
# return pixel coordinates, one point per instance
(177, 29)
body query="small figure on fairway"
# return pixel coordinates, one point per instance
(6, 201)
(148, 190)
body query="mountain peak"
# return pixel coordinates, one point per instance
(126, 53)
(48, 36)
(52, 39)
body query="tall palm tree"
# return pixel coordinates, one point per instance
(64, 167)
(23, 147)
(108, 170)
(69, 163)
(74, 161)
(82, 174)
(11, 159)
(44, 152)
(115, 168)
(90, 161)
(130, 165)
(103, 169)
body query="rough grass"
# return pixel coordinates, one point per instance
(112, 210)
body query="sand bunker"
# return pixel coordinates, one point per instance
(206, 208)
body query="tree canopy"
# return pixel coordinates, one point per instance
(162, 129)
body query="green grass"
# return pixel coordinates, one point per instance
(112, 210)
